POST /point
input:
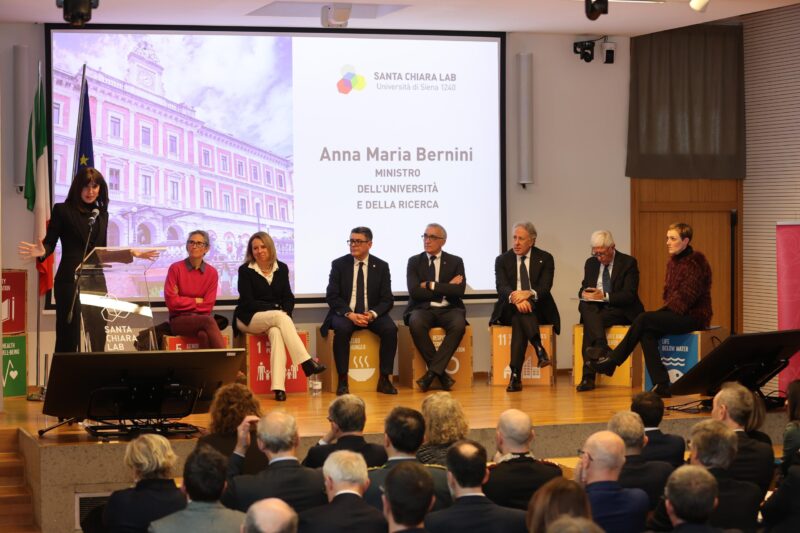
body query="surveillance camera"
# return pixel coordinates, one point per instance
(77, 12)
(584, 49)
(609, 50)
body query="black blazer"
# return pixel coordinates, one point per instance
(254, 459)
(417, 272)
(650, 476)
(345, 513)
(132, 510)
(476, 514)
(664, 447)
(782, 510)
(72, 226)
(300, 487)
(374, 454)
(540, 271)
(340, 286)
(256, 294)
(754, 462)
(513, 482)
(624, 293)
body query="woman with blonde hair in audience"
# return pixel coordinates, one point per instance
(230, 405)
(557, 497)
(445, 424)
(155, 495)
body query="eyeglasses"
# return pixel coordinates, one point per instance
(356, 242)
(426, 237)
(601, 252)
(196, 244)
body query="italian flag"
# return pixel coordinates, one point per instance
(37, 182)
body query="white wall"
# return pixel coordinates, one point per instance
(580, 130)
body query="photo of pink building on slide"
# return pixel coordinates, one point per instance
(182, 149)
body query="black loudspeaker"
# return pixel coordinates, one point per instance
(751, 359)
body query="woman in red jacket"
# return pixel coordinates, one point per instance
(687, 307)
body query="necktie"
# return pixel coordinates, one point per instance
(606, 280)
(524, 280)
(360, 288)
(432, 269)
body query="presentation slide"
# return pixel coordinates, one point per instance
(301, 135)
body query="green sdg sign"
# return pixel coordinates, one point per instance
(14, 366)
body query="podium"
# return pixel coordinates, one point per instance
(114, 300)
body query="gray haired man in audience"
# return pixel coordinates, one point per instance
(270, 515)
(691, 496)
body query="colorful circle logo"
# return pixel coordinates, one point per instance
(350, 80)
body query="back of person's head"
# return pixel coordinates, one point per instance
(793, 400)
(348, 412)
(405, 428)
(607, 451)
(150, 456)
(270, 515)
(650, 407)
(738, 402)
(346, 467)
(713, 444)
(230, 405)
(466, 461)
(573, 524)
(628, 425)
(204, 474)
(408, 488)
(556, 498)
(516, 427)
(444, 419)
(691, 492)
(758, 415)
(277, 432)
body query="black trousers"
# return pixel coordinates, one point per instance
(596, 317)
(454, 322)
(524, 329)
(647, 329)
(383, 326)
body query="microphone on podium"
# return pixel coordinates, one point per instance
(93, 217)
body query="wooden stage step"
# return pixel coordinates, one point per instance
(16, 502)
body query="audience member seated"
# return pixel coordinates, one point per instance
(445, 423)
(614, 507)
(756, 420)
(151, 459)
(230, 405)
(347, 415)
(472, 511)
(408, 495)
(791, 433)
(637, 473)
(516, 474)
(660, 446)
(203, 482)
(691, 496)
(270, 515)
(713, 446)
(346, 480)
(755, 460)
(190, 292)
(285, 478)
(404, 429)
(556, 498)
(782, 510)
(573, 524)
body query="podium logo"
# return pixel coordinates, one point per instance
(350, 80)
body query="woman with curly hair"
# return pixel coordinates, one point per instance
(230, 405)
(556, 498)
(445, 423)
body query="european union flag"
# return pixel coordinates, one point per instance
(84, 149)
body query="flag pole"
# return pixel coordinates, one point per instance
(76, 159)
(38, 395)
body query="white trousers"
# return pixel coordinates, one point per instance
(282, 334)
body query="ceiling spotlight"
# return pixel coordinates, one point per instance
(584, 49)
(698, 5)
(77, 12)
(595, 8)
(336, 15)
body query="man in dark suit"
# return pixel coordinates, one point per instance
(436, 284)
(755, 460)
(346, 480)
(660, 446)
(524, 277)
(284, 478)
(472, 511)
(407, 497)
(516, 474)
(347, 415)
(359, 295)
(404, 431)
(713, 446)
(782, 510)
(650, 476)
(609, 295)
(691, 496)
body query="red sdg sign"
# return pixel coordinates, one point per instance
(259, 373)
(14, 301)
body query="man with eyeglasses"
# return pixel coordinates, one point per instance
(524, 277)
(359, 295)
(436, 283)
(609, 296)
